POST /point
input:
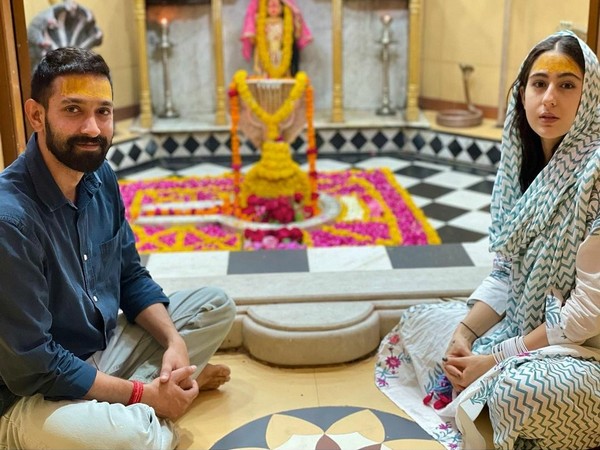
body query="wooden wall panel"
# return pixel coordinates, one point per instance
(14, 78)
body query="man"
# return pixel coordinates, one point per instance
(73, 371)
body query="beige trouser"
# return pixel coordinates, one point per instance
(203, 318)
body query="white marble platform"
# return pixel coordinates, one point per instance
(353, 119)
(307, 319)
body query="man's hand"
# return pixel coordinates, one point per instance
(172, 398)
(175, 357)
(156, 321)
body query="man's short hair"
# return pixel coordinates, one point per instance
(65, 61)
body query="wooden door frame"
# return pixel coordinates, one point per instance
(14, 82)
(593, 28)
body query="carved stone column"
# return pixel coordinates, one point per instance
(221, 98)
(337, 107)
(414, 61)
(145, 100)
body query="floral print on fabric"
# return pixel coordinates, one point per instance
(401, 358)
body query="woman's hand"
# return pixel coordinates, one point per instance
(459, 364)
(460, 346)
(463, 370)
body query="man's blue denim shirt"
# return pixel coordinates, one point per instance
(66, 269)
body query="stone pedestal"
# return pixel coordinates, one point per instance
(312, 319)
(308, 334)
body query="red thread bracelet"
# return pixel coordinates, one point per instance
(136, 393)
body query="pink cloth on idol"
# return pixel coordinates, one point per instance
(249, 29)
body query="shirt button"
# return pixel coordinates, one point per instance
(95, 298)
(85, 257)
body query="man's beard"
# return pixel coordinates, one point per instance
(80, 160)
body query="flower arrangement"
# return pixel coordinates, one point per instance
(311, 151)
(271, 121)
(276, 172)
(262, 44)
(278, 210)
(281, 238)
(376, 210)
(236, 159)
(282, 209)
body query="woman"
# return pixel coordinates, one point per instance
(526, 342)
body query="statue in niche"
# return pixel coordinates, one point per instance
(65, 24)
(274, 32)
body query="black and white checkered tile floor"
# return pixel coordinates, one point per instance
(455, 199)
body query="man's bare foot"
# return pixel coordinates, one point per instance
(213, 376)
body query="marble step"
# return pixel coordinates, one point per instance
(308, 319)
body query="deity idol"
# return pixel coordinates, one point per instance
(274, 32)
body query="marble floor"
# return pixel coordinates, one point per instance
(337, 407)
(332, 406)
(454, 198)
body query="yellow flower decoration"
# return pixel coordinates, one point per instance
(276, 174)
(272, 121)
(261, 41)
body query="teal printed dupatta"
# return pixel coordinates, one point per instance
(540, 231)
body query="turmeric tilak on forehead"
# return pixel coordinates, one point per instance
(554, 62)
(86, 85)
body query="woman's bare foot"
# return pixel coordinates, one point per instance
(213, 376)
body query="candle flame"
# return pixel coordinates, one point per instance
(163, 20)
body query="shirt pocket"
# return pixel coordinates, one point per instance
(108, 269)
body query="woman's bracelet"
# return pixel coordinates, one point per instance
(510, 347)
(470, 329)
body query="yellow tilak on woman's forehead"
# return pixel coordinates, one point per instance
(86, 85)
(556, 63)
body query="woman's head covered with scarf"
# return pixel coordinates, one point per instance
(523, 166)
(568, 46)
(543, 204)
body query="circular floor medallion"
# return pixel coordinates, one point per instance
(325, 427)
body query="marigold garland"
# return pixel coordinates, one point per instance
(261, 41)
(271, 121)
(276, 172)
(311, 151)
(236, 159)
